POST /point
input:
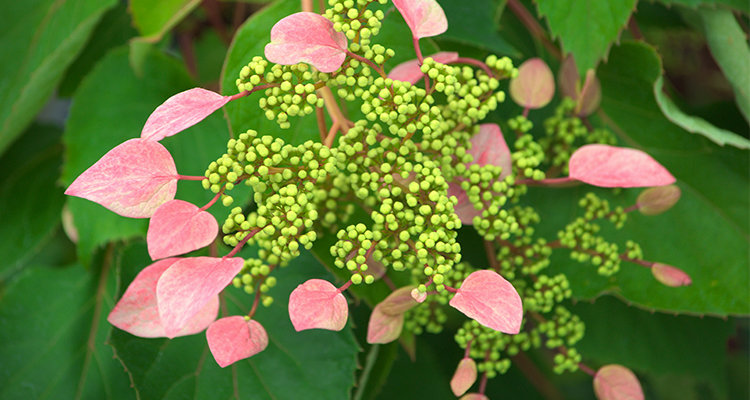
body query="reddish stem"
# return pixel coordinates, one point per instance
(190, 177)
(242, 243)
(368, 62)
(450, 289)
(210, 203)
(345, 286)
(418, 51)
(585, 368)
(471, 61)
(551, 182)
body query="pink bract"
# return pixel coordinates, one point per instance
(473, 396)
(409, 71)
(307, 37)
(615, 382)
(424, 17)
(464, 377)
(609, 166)
(231, 339)
(670, 276)
(133, 179)
(317, 304)
(178, 227)
(137, 313)
(189, 284)
(491, 300)
(182, 111)
(534, 86)
(398, 302)
(384, 328)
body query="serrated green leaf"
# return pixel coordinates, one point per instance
(314, 364)
(154, 18)
(30, 199)
(52, 341)
(741, 5)
(694, 124)
(586, 28)
(40, 39)
(475, 26)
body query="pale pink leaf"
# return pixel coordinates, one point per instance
(189, 284)
(534, 86)
(137, 313)
(670, 276)
(307, 37)
(591, 95)
(133, 179)
(464, 377)
(491, 300)
(384, 328)
(182, 111)
(568, 78)
(609, 166)
(424, 17)
(317, 304)
(178, 227)
(418, 296)
(398, 302)
(474, 396)
(231, 339)
(615, 382)
(657, 200)
(409, 71)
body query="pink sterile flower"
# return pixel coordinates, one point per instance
(424, 17)
(609, 166)
(657, 200)
(587, 96)
(318, 304)
(670, 276)
(188, 285)
(384, 328)
(464, 377)
(133, 179)
(398, 302)
(409, 71)
(178, 227)
(182, 111)
(615, 382)
(231, 339)
(474, 396)
(487, 147)
(491, 300)
(534, 86)
(137, 311)
(307, 37)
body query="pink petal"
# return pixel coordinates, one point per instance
(534, 86)
(608, 166)
(418, 296)
(424, 17)
(384, 328)
(307, 37)
(491, 300)
(568, 77)
(137, 312)
(474, 396)
(464, 377)
(182, 111)
(657, 200)
(133, 179)
(670, 276)
(398, 302)
(409, 71)
(591, 95)
(615, 382)
(317, 304)
(178, 227)
(231, 339)
(189, 284)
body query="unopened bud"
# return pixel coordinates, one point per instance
(670, 276)
(658, 199)
(464, 377)
(418, 296)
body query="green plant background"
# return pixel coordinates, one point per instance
(81, 76)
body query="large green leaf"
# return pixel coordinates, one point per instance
(475, 26)
(741, 5)
(313, 364)
(154, 18)
(52, 341)
(586, 28)
(30, 200)
(39, 40)
(107, 112)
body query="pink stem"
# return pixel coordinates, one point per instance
(525, 112)
(368, 62)
(345, 286)
(468, 349)
(585, 368)
(242, 243)
(552, 182)
(418, 51)
(190, 178)
(471, 61)
(450, 289)
(212, 201)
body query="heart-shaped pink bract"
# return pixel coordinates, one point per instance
(384, 328)
(491, 300)
(137, 312)
(398, 302)
(317, 304)
(409, 71)
(609, 166)
(182, 111)
(189, 284)
(231, 339)
(178, 227)
(424, 17)
(464, 377)
(307, 37)
(133, 179)
(615, 382)
(657, 200)
(670, 276)
(534, 86)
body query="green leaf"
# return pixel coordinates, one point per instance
(728, 44)
(695, 124)
(315, 364)
(741, 5)
(656, 344)
(475, 26)
(155, 18)
(52, 341)
(30, 200)
(586, 28)
(40, 40)
(107, 112)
